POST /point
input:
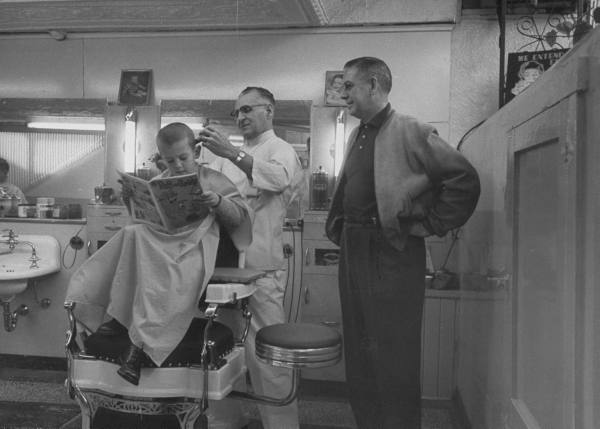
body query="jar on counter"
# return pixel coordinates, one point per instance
(60, 211)
(27, 210)
(45, 207)
(45, 212)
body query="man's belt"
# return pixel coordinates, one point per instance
(362, 220)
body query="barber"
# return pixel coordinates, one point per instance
(267, 171)
(399, 183)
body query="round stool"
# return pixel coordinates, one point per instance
(299, 345)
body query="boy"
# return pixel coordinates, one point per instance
(150, 281)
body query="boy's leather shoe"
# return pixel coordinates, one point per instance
(131, 363)
(112, 328)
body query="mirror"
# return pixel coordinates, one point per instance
(53, 161)
(291, 123)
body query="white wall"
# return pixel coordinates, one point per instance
(207, 65)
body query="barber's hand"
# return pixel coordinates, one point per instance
(217, 143)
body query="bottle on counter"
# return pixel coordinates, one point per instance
(319, 195)
(45, 207)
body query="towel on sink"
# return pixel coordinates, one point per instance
(151, 281)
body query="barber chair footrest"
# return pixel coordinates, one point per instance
(181, 382)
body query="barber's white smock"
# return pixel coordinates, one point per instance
(151, 281)
(276, 180)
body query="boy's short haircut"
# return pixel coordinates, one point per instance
(174, 132)
(4, 166)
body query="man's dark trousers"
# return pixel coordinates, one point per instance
(382, 291)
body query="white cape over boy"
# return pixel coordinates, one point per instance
(151, 281)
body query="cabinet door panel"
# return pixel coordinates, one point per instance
(314, 231)
(320, 298)
(544, 189)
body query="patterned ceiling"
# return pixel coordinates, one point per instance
(29, 16)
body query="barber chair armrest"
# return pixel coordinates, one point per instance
(75, 329)
(228, 293)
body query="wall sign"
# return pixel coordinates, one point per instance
(524, 68)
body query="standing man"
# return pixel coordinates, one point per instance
(267, 171)
(399, 183)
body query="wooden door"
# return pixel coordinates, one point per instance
(543, 182)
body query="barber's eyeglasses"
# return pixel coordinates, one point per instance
(246, 108)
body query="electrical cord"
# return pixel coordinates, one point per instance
(287, 283)
(293, 270)
(454, 234)
(462, 139)
(301, 282)
(75, 243)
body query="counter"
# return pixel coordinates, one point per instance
(34, 220)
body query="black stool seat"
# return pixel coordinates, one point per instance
(299, 345)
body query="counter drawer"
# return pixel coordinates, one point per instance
(314, 231)
(106, 218)
(106, 224)
(320, 299)
(100, 210)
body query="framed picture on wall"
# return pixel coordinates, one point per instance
(524, 68)
(334, 80)
(135, 87)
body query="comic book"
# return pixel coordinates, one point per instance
(169, 203)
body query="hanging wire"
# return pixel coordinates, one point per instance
(64, 252)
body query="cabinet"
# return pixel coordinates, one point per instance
(320, 303)
(103, 221)
(319, 299)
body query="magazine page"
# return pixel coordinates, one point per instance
(142, 207)
(177, 199)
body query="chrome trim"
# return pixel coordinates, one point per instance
(299, 358)
(278, 402)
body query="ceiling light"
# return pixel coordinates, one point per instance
(67, 126)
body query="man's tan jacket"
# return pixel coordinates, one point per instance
(423, 186)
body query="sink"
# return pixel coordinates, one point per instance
(20, 265)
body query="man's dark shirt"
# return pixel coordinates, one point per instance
(358, 180)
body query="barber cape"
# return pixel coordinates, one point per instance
(151, 281)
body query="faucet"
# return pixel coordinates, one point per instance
(12, 241)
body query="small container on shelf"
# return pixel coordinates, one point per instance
(27, 210)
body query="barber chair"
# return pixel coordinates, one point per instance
(205, 366)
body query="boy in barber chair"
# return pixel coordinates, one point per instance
(148, 281)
